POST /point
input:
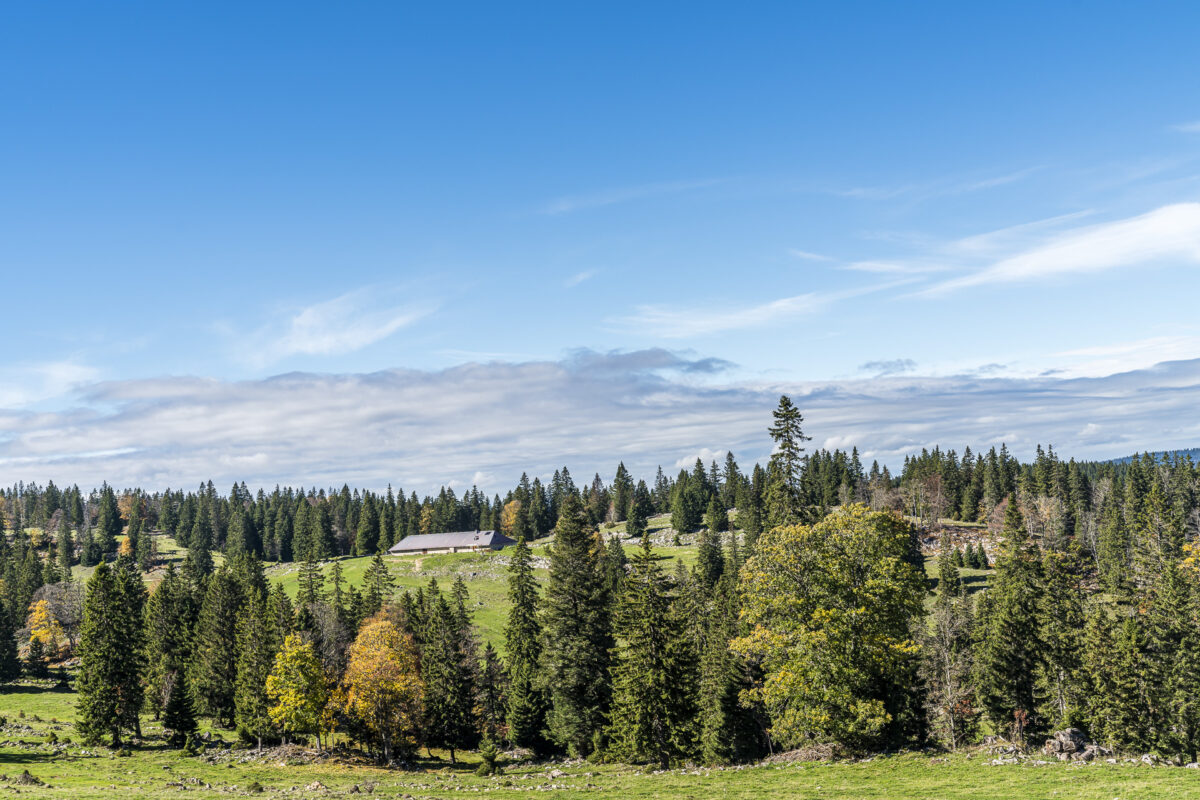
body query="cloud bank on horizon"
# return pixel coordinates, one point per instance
(485, 424)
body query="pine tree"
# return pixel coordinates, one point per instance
(109, 682)
(654, 671)
(949, 583)
(1009, 645)
(1060, 679)
(784, 501)
(35, 660)
(449, 689)
(214, 671)
(578, 633)
(170, 620)
(256, 655)
(179, 713)
(108, 525)
(65, 547)
(729, 732)
(640, 508)
(493, 684)
(10, 666)
(379, 586)
(710, 560)
(614, 565)
(526, 713)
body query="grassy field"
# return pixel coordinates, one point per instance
(485, 575)
(66, 770)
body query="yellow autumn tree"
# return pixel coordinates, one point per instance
(382, 688)
(297, 689)
(45, 628)
(510, 517)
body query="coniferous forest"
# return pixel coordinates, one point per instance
(970, 598)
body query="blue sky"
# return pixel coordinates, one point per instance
(484, 238)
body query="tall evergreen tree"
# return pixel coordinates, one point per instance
(1009, 646)
(109, 682)
(654, 672)
(449, 689)
(784, 500)
(578, 632)
(257, 644)
(526, 713)
(214, 671)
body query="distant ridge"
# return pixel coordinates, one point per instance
(1193, 452)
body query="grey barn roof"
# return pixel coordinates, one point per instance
(444, 541)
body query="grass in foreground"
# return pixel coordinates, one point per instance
(153, 771)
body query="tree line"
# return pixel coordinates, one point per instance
(804, 618)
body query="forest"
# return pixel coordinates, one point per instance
(824, 603)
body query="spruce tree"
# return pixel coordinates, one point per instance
(784, 501)
(179, 714)
(110, 656)
(170, 620)
(1060, 679)
(493, 684)
(654, 672)
(449, 689)
(578, 633)
(1009, 645)
(378, 586)
(10, 666)
(729, 732)
(65, 547)
(214, 671)
(526, 713)
(257, 646)
(710, 559)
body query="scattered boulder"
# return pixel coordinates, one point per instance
(25, 779)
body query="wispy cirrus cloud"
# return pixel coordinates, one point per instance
(671, 322)
(1167, 234)
(579, 277)
(623, 194)
(337, 326)
(1187, 127)
(943, 187)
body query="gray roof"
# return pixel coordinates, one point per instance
(444, 541)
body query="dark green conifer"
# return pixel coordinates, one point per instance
(654, 672)
(578, 633)
(526, 712)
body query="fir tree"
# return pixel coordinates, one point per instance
(257, 646)
(65, 547)
(526, 712)
(109, 682)
(654, 670)
(784, 502)
(179, 714)
(729, 732)
(578, 633)
(1010, 648)
(449, 689)
(10, 666)
(493, 684)
(170, 620)
(214, 671)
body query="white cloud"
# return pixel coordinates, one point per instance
(682, 323)
(579, 278)
(1170, 234)
(808, 256)
(337, 326)
(23, 384)
(608, 197)
(491, 422)
(1188, 127)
